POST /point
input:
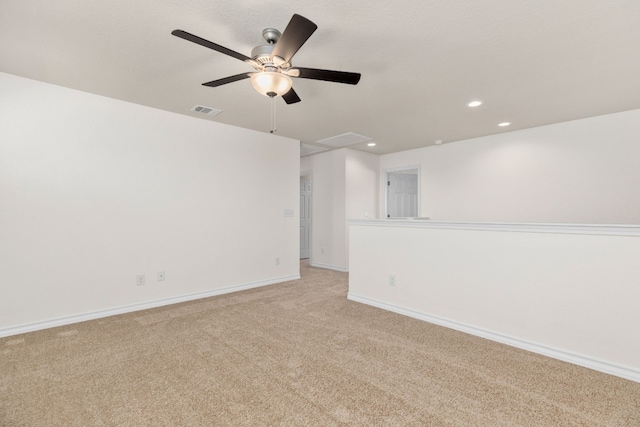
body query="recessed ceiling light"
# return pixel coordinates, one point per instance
(438, 141)
(474, 103)
(371, 144)
(503, 124)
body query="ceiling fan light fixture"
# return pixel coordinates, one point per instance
(271, 83)
(272, 62)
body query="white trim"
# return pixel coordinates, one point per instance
(576, 359)
(599, 229)
(329, 267)
(67, 320)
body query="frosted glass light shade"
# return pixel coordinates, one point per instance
(270, 83)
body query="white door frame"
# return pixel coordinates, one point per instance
(309, 174)
(384, 176)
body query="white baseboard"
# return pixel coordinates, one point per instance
(329, 267)
(576, 359)
(67, 320)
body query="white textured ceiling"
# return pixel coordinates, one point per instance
(532, 62)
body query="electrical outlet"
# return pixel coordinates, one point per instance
(278, 260)
(392, 280)
(140, 279)
(160, 276)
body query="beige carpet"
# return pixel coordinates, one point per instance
(294, 354)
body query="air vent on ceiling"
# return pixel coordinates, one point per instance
(343, 140)
(209, 111)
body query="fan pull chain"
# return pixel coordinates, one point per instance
(273, 114)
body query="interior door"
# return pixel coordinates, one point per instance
(305, 217)
(402, 195)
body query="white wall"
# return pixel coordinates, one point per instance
(344, 187)
(94, 191)
(361, 176)
(328, 236)
(566, 293)
(583, 171)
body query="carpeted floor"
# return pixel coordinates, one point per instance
(295, 354)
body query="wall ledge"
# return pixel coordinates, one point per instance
(577, 359)
(68, 320)
(598, 229)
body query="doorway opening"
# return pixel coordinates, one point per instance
(402, 188)
(305, 215)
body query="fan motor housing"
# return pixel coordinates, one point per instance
(262, 53)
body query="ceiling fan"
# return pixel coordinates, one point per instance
(272, 62)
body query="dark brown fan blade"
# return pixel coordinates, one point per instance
(211, 45)
(329, 75)
(230, 79)
(293, 37)
(291, 97)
